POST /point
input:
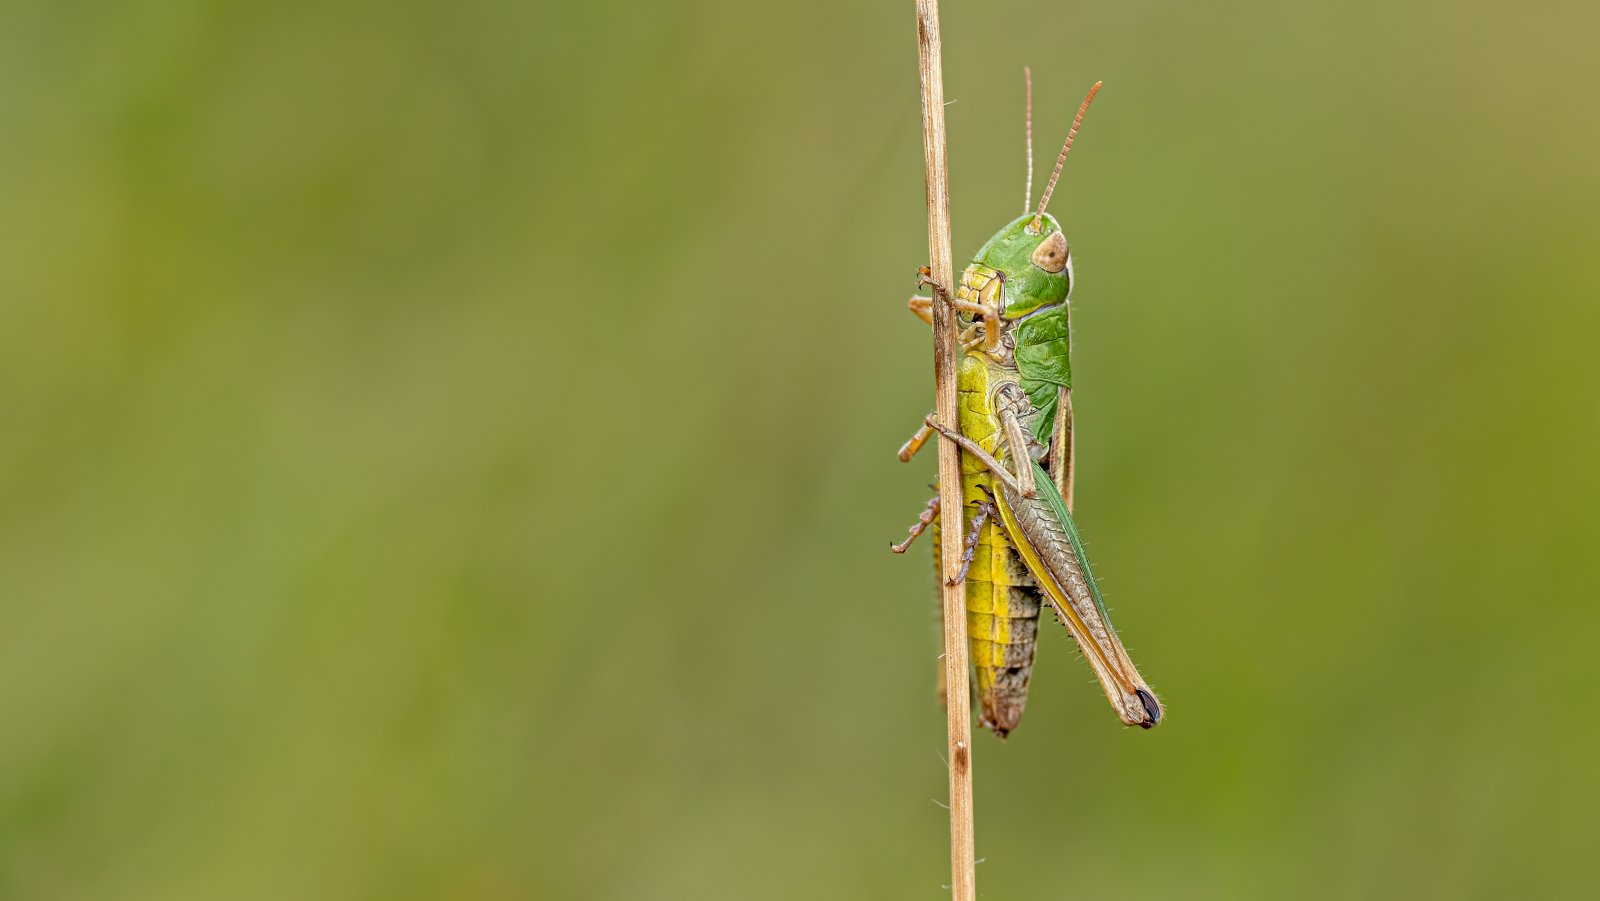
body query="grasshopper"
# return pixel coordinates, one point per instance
(1022, 549)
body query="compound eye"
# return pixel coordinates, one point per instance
(1051, 254)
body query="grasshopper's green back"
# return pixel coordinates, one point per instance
(1025, 273)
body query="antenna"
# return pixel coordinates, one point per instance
(1072, 133)
(1027, 120)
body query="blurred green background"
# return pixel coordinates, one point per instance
(448, 449)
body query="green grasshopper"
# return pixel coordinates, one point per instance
(1015, 412)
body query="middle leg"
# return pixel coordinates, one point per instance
(924, 520)
(969, 548)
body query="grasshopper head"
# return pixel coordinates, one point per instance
(1033, 258)
(1030, 255)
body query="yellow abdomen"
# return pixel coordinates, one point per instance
(1003, 599)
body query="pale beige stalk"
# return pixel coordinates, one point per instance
(958, 709)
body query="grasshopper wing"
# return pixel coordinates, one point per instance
(1047, 540)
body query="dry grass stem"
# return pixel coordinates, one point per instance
(958, 706)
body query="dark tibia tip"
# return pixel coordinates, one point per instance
(1151, 708)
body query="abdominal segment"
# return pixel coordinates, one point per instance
(1002, 628)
